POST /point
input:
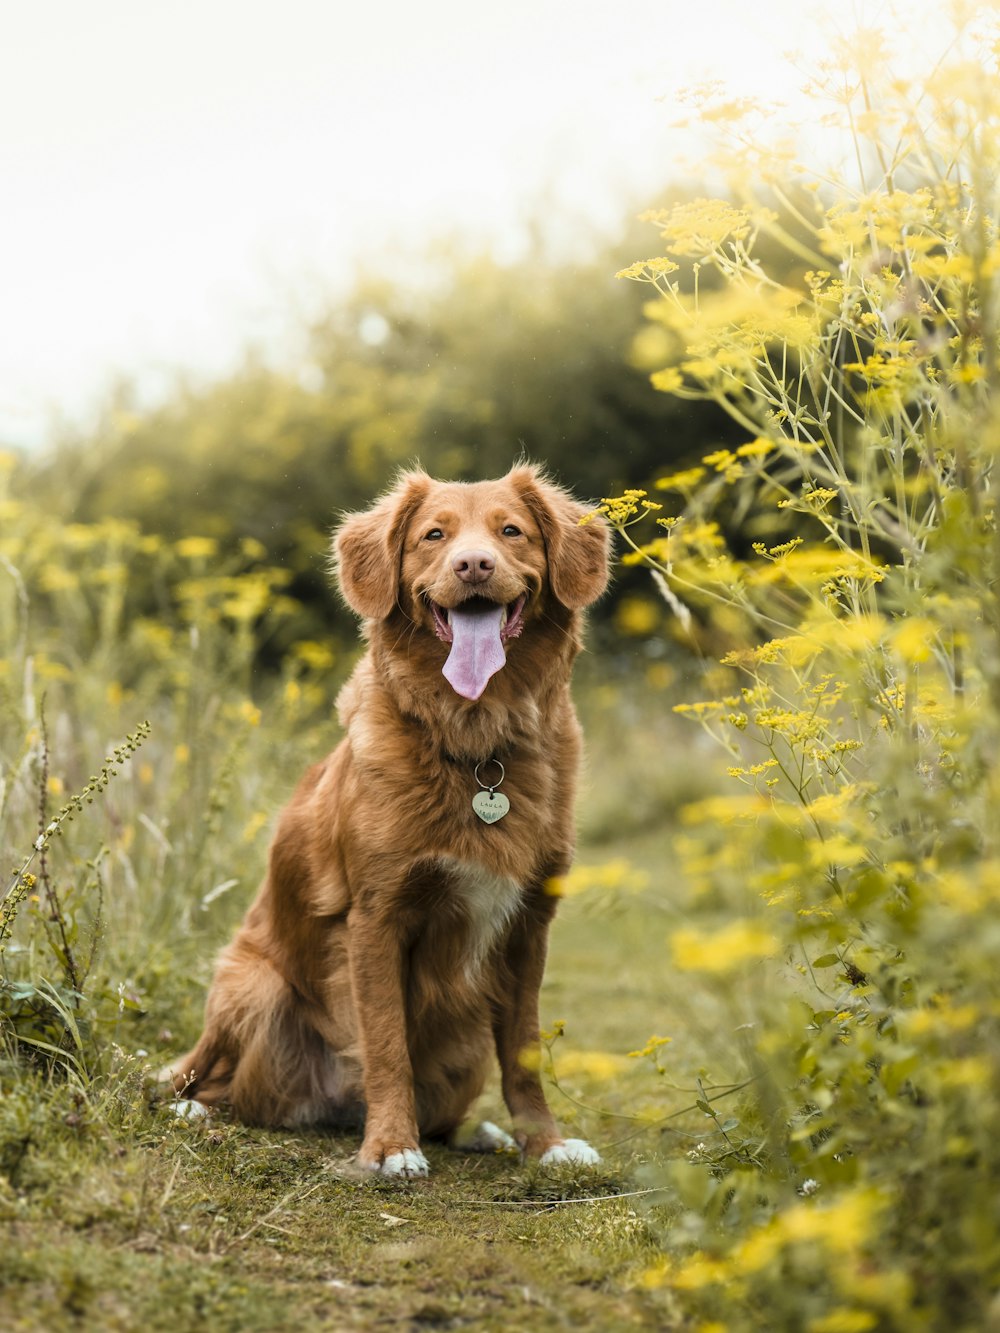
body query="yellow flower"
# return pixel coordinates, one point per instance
(252, 548)
(254, 824)
(616, 875)
(637, 616)
(651, 346)
(756, 448)
(971, 1071)
(942, 1018)
(648, 270)
(249, 713)
(832, 805)
(667, 381)
(843, 1226)
(718, 951)
(54, 578)
(701, 367)
(913, 637)
(720, 809)
(620, 508)
(699, 228)
(681, 481)
(196, 548)
(316, 656)
(699, 1271)
(599, 1065)
(720, 460)
(651, 1047)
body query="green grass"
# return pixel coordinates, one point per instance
(119, 1216)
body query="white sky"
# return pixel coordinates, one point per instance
(175, 176)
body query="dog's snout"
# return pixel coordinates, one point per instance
(474, 566)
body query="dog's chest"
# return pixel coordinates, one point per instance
(487, 902)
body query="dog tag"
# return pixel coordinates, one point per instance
(490, 805)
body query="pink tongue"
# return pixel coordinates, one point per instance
(476, 650)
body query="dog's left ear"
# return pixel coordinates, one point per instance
(368, 548)
(578, 554)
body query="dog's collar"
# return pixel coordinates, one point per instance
(470, 761)
(488, 803)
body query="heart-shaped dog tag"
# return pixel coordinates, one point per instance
(490, 805)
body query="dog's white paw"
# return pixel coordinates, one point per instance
(409, 1164)
(189, 1109)
(571, 1152)
(488, 1137)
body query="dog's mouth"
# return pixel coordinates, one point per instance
(477, 630)
(510, 618)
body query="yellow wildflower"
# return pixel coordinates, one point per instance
(913, 637)
(637, 616)
(681, 481)
(719, 951)
(196, 548)
(651, 1047)
(756, 448)
(668, 380)
(698, 228)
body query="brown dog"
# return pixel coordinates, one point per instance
(400, 933)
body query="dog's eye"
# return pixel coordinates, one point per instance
(511, 531)
(435, 535)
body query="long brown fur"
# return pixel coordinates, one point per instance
(397, 940)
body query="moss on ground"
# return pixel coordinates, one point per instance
(119, 1216)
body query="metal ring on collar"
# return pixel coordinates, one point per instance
(486, 786)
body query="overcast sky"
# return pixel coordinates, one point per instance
(175, 176)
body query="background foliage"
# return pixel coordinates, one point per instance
(813, 489)
(465, 371)
(855, 869)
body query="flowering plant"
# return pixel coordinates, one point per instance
(847, 554)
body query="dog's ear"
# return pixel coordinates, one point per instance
(368, 548)
(578, 553)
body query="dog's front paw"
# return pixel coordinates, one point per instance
(189, 1109)
(409, 1164)
(406, 1163)
(571, 1152)
(488, 1138)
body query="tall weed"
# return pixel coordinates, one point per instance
(124, 865)
(847, 554)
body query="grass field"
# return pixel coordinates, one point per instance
(119, 1215)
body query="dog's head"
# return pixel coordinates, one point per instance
(472, 564)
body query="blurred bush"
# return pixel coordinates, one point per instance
(129, 850)
(463, 370)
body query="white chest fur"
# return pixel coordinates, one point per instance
(488, 902)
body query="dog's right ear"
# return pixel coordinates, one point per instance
(368, 548)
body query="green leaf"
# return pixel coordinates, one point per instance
(827, 960)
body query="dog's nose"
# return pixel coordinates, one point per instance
(474, 566)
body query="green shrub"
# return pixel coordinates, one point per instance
(847, 555)
(123, 865)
